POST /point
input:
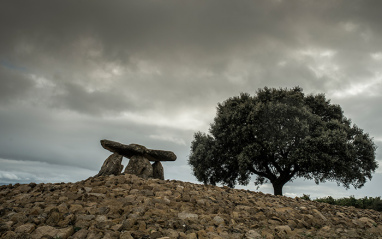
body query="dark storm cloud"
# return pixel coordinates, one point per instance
(182, 37)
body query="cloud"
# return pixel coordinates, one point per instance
(168, 138)
(152, 72)
(8, 176)
(369, 87)
(26, 171)
(14, 84)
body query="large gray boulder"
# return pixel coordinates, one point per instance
(135, 149)
(112, 165)
(139, 166)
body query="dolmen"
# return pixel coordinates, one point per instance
(139, 163)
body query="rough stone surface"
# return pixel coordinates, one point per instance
(112, 165)
(135, 149)
(140, 166)
(127, 206)
(158, 170)
(48, 231)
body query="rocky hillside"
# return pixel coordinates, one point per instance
(126, 206)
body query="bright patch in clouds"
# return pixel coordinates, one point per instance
(8, 175)
(317, 54)
(321, 62)
(42, 82)
(168, 138)
(183, 120)
(350, 26)
(368, 88)
(376, 56)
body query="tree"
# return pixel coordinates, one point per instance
(279, 135)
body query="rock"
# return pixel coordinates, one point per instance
(54, 217)
(283, 230)
(3, 227)
(80, 234)
(135, 149)
(158, 170)
(218, 220)
(319, 214)
(140, 166)
(365, 222)
(191, 236)
(9, 235)
(49, 231)
(26, 228)
(252, 234)
(185, 215)
(112, 165)
(75, 208)
(126, 235)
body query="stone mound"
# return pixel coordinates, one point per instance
(127, 206)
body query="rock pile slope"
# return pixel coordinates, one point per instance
(127, 206)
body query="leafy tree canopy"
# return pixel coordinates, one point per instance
(279, 135)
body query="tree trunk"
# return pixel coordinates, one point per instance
(278, 188)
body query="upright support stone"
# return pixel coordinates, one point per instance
(111, 166)
(158, 170)
(140, 166)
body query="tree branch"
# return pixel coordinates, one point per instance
(276, 165)
(262, 174)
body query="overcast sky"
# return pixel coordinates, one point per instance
(152, 72)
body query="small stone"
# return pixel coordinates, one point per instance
(80, 234)
(85, 217)
(283, 229)
(62, 208)
(218, 220)
(365, 222)
(54, 218)
(142, 226)
(101, 218)
(319, 214)
(49, 231)
(191, 236)
(252, 234)
(94, 235)
(128, 224)
(9, 235)
(126, 235)
(26, 228)
(202, 234)
(185, 215)
(117, 227)
(75, 208)
(3, 227)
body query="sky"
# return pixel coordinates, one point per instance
(152, 72)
